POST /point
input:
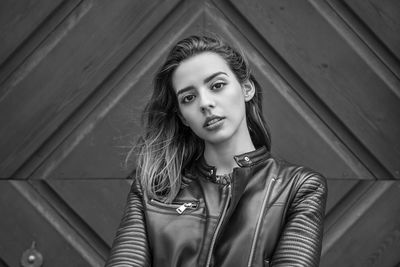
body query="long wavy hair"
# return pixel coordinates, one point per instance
(167, 146)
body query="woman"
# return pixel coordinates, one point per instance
(208, 192)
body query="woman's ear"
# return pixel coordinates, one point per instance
(248, 90)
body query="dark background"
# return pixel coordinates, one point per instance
(74, 76)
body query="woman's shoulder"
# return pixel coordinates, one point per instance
(136, 185)
(300, 174)
(304, 182)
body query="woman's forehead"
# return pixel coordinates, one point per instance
(196, 69)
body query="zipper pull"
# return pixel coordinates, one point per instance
(183, 207)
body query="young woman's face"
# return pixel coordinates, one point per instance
(211, 99)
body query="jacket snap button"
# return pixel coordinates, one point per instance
(246, 159)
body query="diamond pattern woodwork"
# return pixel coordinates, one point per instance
(75, 75)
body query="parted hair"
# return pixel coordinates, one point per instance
(167, 146)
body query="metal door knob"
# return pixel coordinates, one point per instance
(31, 257)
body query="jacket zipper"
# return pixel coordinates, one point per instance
(179, 207)
(260, 217)
(185, 206)
(214, 238)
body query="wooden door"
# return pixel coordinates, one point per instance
(75, 75)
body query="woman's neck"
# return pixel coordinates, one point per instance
(221, 155)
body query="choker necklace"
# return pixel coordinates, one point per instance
(223, 178)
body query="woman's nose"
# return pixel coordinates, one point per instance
(206, 101)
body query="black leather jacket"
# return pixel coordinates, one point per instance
(271, 214)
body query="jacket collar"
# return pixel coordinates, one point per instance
(243, 160)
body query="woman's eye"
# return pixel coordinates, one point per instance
(188, 98)
(217, 85)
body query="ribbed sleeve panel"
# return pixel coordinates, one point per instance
(130, 247)
(300, 242)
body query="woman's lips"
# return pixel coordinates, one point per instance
(212, 122)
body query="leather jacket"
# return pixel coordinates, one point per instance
(270, 214)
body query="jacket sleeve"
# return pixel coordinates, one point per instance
(301, 239)
(130, 247)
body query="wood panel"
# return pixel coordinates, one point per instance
(97, 210)
(27, 218)
(382, 18)
(102, 135)
(64, 70)
(74, 76)
(374, 223)
(362, 32)
(18, 19)
(334, 70)
(285, 111)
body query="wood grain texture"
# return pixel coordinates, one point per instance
(97, 211)
(27, 217)
(18, 19)
(41, 101)
(335, 72)
(24, 50)
(75, 75)
(382, 18)
(97, 149)
(98, 146)
(374, 223)
(367, 36)
(285, 109)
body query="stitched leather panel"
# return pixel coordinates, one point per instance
(130, 247)
(300, 243)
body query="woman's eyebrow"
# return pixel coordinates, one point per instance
(212, 76)
(188, 88)
(206, 80)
